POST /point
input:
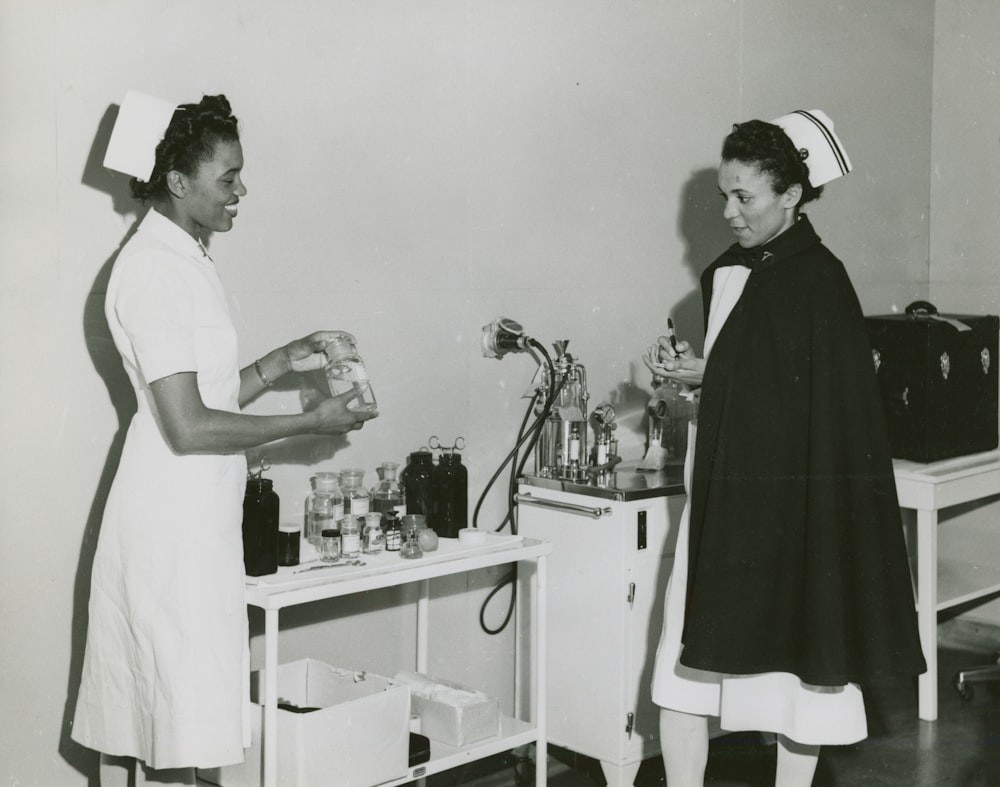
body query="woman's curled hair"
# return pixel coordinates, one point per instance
(190, 139)
(769, 148)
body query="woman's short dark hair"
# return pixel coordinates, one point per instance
(767, 147)
(190, 139)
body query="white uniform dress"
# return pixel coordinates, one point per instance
(777, 702)
(166, 669)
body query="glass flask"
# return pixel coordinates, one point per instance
(411, 548)
(324, 507)
(450, 496)
(357, 500)
(346, 371)
(350, 537)
(373, 540)
(260, 527)
(388, 495)
(670, 410)
(417, 483)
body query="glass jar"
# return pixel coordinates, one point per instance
(329, 546)
(289, 541)
(450, 485)
(411, 548)
(373, 540)
(346, 372)
(357, 500)
(260, 527)
(324, 507)
(350, 537)
(388, 494)
(417, 483)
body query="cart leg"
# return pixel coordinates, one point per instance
(620, 775)
(270, 698)
(927, 592)
(541, 661)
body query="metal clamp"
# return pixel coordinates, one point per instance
(571, 508)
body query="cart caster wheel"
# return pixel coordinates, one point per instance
(965, 690)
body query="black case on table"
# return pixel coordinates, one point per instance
(938, 378)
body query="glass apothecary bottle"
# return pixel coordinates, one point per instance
(393, 533)
(450, 508)
(357, 499)
(324, 507)
(388, 494)
(350, 537)
(373, 541)
(260, 527)
(417, 483)
(346, 371)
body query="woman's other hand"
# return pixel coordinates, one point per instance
(306, 354)
(335, 416)
(675, 362)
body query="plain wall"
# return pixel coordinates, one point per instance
(965, 192)
(414, 170)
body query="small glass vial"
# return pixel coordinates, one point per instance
(289, 540)
(388, 494)
(346, 371)
(329, 546)
(357, 500)
(324, 507)
(393, 533)
(350, 537)
(373, 541)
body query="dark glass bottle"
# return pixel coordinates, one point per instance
(450, 508)
(417, 481)
(260, 527)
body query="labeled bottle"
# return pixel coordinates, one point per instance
(350, 537)
(393, 533)
(388, 494)
(357, 500)
(450, 509)
(373, 541)
(260, 527)
(417, 479)
(346, 371)
(324, 507)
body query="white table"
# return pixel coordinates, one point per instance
(928, 488)
(286, 589)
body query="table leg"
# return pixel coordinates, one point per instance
(423, 613)
(927, 594)
(541, 660)
(270, 698)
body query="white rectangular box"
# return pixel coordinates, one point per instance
(451, 713)
(359, 735)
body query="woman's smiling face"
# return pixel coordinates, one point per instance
(212, 193)
(754, 211)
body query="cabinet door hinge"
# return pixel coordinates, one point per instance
(631, 594)
(629, 724)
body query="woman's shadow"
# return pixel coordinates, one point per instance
(108, 364)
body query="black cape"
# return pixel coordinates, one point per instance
(797, 556)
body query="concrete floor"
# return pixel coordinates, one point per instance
(960, 749)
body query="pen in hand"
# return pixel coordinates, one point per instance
(672, 337)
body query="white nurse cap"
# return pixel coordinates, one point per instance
(812, 131)
(142, 122)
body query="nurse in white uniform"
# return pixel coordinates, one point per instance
(165, 674)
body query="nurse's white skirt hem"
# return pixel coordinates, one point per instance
(777, 702)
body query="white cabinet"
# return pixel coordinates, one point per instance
(612, 553)
(287, 588)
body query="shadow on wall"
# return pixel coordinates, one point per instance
(702, 227)
(108, 364)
